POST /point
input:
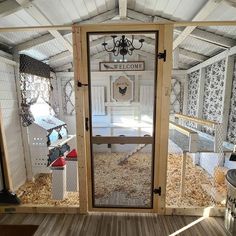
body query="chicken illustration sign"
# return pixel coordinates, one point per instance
(123, 89)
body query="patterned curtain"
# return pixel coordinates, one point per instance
(32, 87)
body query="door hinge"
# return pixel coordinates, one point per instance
(157, 191)
(162, 55)
(87, 123)
(79, 84)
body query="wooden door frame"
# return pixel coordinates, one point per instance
(162, 102)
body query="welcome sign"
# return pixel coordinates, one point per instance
(122, 66)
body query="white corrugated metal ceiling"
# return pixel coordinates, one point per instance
(55, 48)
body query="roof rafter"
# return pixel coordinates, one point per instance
(35, 12)
(205, 11)
(203, 35)
(9, 7)
(47, 37)
(123, 9)
(193, 55)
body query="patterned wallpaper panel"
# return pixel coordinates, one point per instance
(231, 134)
(193, 89)
(213, 93)
(193, 86)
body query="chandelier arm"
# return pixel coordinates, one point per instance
(132, 40)
(117, 44)
(108, 50)
(116, 52)
(123, 46)
(129, 43)
(130, 52)
(138, 47)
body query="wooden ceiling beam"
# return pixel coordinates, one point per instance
(218, 40)
(192, 55)
(9, 7)
(39, 16)
(47, 37)
(123, 9)
(205, 11)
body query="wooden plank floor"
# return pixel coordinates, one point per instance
(116, 224)
(121, 199)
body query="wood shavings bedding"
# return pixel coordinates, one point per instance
(133, 179)
(39, 192)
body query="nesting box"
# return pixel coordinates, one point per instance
(46, 136)
(58, 168)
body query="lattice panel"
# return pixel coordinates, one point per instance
(176, 96)
(69, 98)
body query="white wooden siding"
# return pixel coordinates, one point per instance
(146, 98)
(98, 101)
(11, 124)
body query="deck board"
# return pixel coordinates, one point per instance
(107, 224)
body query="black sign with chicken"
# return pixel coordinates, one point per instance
(122, 91)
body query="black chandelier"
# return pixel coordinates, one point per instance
(122, 46)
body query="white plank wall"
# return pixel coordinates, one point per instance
(11, 124)
(146, 98)
(98, 101)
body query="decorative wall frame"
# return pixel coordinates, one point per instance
(122, 89)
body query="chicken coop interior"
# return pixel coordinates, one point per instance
(117, 104)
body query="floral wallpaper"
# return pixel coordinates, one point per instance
(193, 86)
(213, 93)
(231, 134)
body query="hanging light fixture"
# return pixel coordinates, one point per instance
(122, 46)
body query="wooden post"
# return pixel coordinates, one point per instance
(193, 142)
(185, 97)
(80, 118)
(162, 116)
(228, 77)
(183, 172)
(4, 156)
(200, 95)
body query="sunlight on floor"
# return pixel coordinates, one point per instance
(206, 214)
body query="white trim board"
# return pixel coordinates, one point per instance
(218, 57)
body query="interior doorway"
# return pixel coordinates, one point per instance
(121, 102)
(122, 91)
